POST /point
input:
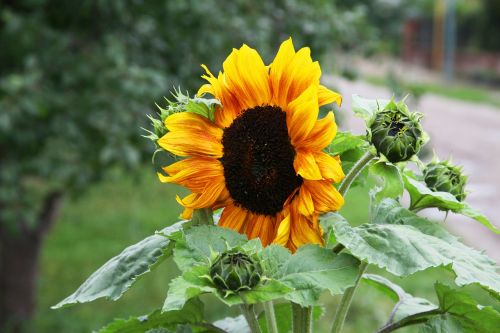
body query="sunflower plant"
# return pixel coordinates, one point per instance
(261, 228)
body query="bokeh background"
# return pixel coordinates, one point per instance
(77, 79)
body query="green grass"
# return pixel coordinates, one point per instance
(120, 212)
(462, 92)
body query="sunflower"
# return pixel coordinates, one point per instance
(261, 158)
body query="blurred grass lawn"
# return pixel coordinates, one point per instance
(120, 212)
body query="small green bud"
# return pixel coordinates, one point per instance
(235, 271)
(444, 177)
(396, 133)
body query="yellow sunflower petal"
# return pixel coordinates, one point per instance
(234, 217)
(206, 198)
(291, 73)
(283, 234)
(303, 229)
(326, 96)
(278, 79)
(261, 226)
(187, 213)
(302, 114)
(188, 120)
(305, 165)
(194, 173)
(191, 142)
(321, 135)
(247, 77)
(325, 196)
(304, 202)
(329, 166)
(219, 89)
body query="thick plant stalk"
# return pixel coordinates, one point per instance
(415, 319)
(355, 171)
(302, 319)
(249, 314)
(272, 326)
(349, 178)
(345, 302)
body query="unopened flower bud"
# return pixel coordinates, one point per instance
(396, 133)
(235, 271)
(444, 177)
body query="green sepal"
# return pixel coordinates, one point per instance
(181, 103)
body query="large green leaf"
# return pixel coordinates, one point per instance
(406, 304)
(313, 269)
(389, 183)
(187, 286)
(274, 259)
(423, 197)
(457, 311)
(191, 313)
(404, 243)
(444, 323)
(472, 316)
(345, 141)
(198, 244)
(118, 274)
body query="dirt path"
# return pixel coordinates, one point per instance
(468, 132)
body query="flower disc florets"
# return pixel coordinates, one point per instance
(396, 133)
(444, 177)
(235, 271)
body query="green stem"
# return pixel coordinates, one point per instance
(349, 178)
(302, 319)
(272, 326)
(413, 205)
(354, 172)
(249, 313)
(417, 318)
(345, 302)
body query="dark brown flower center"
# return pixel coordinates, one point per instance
(258, 160)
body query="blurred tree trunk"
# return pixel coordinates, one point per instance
(19, 258)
